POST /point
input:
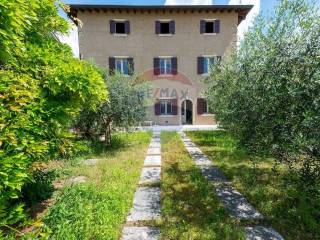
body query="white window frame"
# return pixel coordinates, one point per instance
(166, 101)
(206, 58)
(165, 66)
(165, 21)
(121, 59)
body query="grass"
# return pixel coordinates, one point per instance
(190, 209)
(278, 199)
(97, 209)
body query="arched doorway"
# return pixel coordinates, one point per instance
(186, 112)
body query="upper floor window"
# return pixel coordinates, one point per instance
(165, 66)
(121, 27)
(123, 65)
(206, 62)
(210, 26)
(165, 27)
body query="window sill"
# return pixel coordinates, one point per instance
(209, 34)
(207, 114)
(165, 34)
(166, 115)
(205, 74)
(120, 34)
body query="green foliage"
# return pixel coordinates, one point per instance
(268, 93)
(286, 208)
(42, 89)
(190, 208)
(125, 107)
(97, 209)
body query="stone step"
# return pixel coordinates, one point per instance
(154, 151)
(213, 174)
(150, 175)
(201, 160)
(236, 204)
(146, 205)
(194, 151)
(155, 145)
(262, 233)
(152, 161)
(140, 233)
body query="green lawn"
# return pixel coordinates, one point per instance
(284, 207)
(190, 209)
(98, 208)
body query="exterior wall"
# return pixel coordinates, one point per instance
(143, 45)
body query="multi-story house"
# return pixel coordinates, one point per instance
(172, 46)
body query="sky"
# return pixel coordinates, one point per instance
(264, 6)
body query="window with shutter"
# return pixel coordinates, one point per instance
(119, 27)
(123, 65)
(165, 27)
(206, 63)
(168, 107)
(210, 26)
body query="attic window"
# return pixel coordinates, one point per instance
(209, 27)
(164, 28)
(120, 28)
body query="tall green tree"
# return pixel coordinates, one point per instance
(268, 93)
(42, 90)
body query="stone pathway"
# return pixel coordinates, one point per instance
(146, 203)
(235, 202)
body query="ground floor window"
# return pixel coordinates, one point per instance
(165, 107)
(203, 106)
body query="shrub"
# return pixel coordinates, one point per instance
(124, 108)
(268, 93)
(42, 90)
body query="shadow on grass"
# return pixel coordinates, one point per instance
(273, 193)
(190, 209)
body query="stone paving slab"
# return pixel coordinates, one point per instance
(152, 160)
(262, 233)
(213, 174)
(140, 233)
(237, 205)
(154, 151)
(155, 145)
(194, 150)
(146, 204)
(155, 140)
(189, 144)
(150, 175)
(201, 160)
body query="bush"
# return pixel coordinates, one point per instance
(42, 90)
(268, 93)
(125, 107)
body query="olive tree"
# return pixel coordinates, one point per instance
(268, 93)
(126, 106)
